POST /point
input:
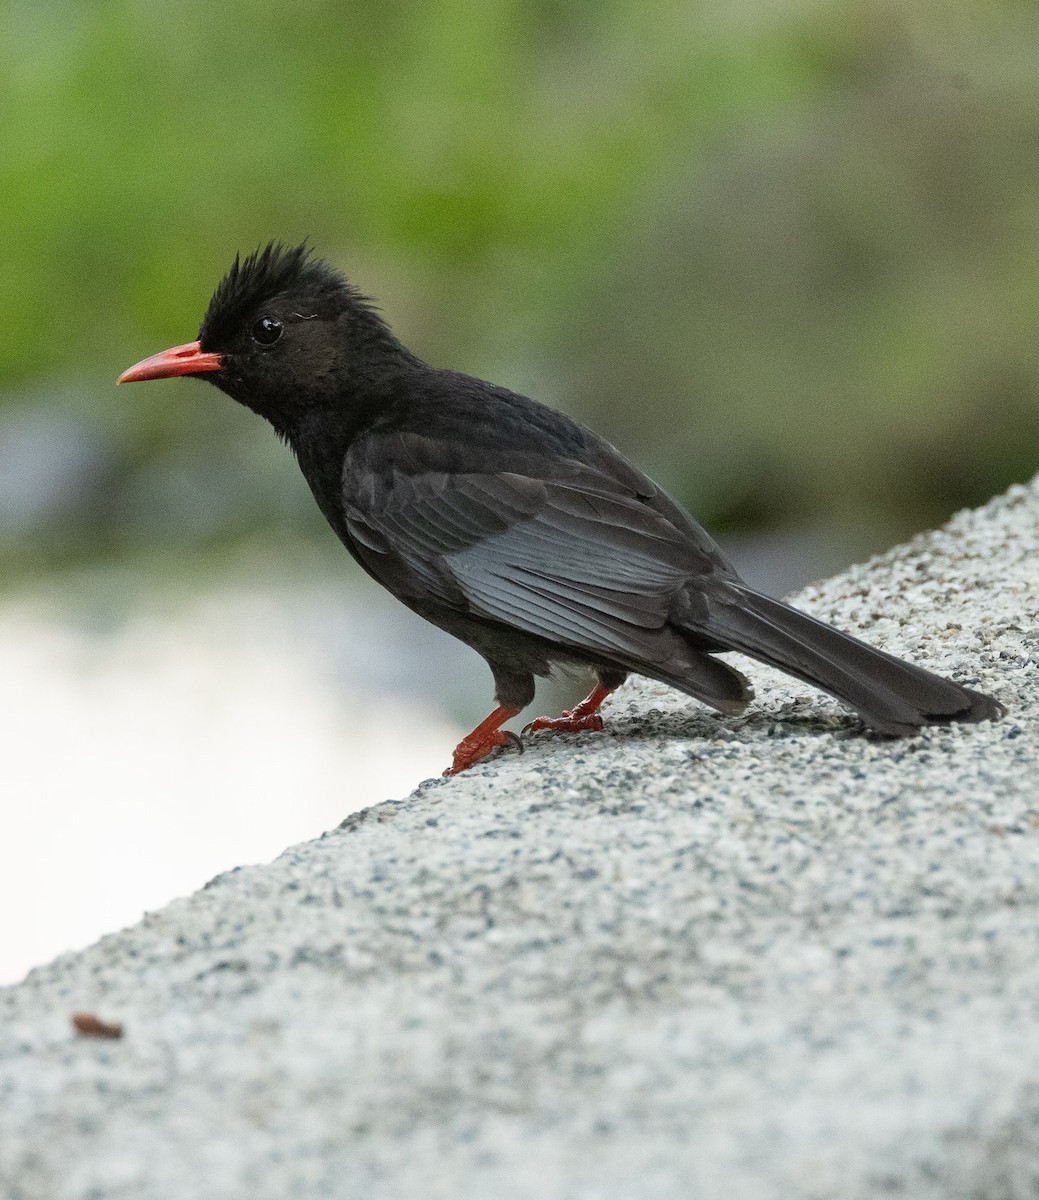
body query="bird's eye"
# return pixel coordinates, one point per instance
(266, 331)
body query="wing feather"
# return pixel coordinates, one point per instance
(577, 557)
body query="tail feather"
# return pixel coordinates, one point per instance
(891, 696)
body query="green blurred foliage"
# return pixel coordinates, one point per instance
(781, 252)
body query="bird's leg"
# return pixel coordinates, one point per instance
(483, 740)
(582, 716)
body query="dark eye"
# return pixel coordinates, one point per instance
(266, 331)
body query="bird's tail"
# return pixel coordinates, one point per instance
(891, 696)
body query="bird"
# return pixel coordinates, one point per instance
(511, 526)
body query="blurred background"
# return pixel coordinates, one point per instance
(781, 252)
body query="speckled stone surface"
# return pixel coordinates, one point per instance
(759, 957)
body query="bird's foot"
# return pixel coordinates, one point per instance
(582, 717)
(471, 750)
(568, 722)
(484, 738)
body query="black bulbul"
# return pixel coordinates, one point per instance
(509, 525)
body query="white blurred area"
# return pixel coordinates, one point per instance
(140, 760)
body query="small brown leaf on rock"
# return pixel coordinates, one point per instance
(88, 1025)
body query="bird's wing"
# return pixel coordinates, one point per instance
(576, 557)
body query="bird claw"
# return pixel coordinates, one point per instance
(582, 718)
(469, 752)
(569, 722)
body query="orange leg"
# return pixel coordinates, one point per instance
(483, 740)
(582, 716)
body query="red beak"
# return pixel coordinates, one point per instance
(179, 360)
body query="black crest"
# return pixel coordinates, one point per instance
(270, 273)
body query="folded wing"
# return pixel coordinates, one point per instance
(574, 555)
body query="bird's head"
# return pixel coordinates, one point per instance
(284, 333)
